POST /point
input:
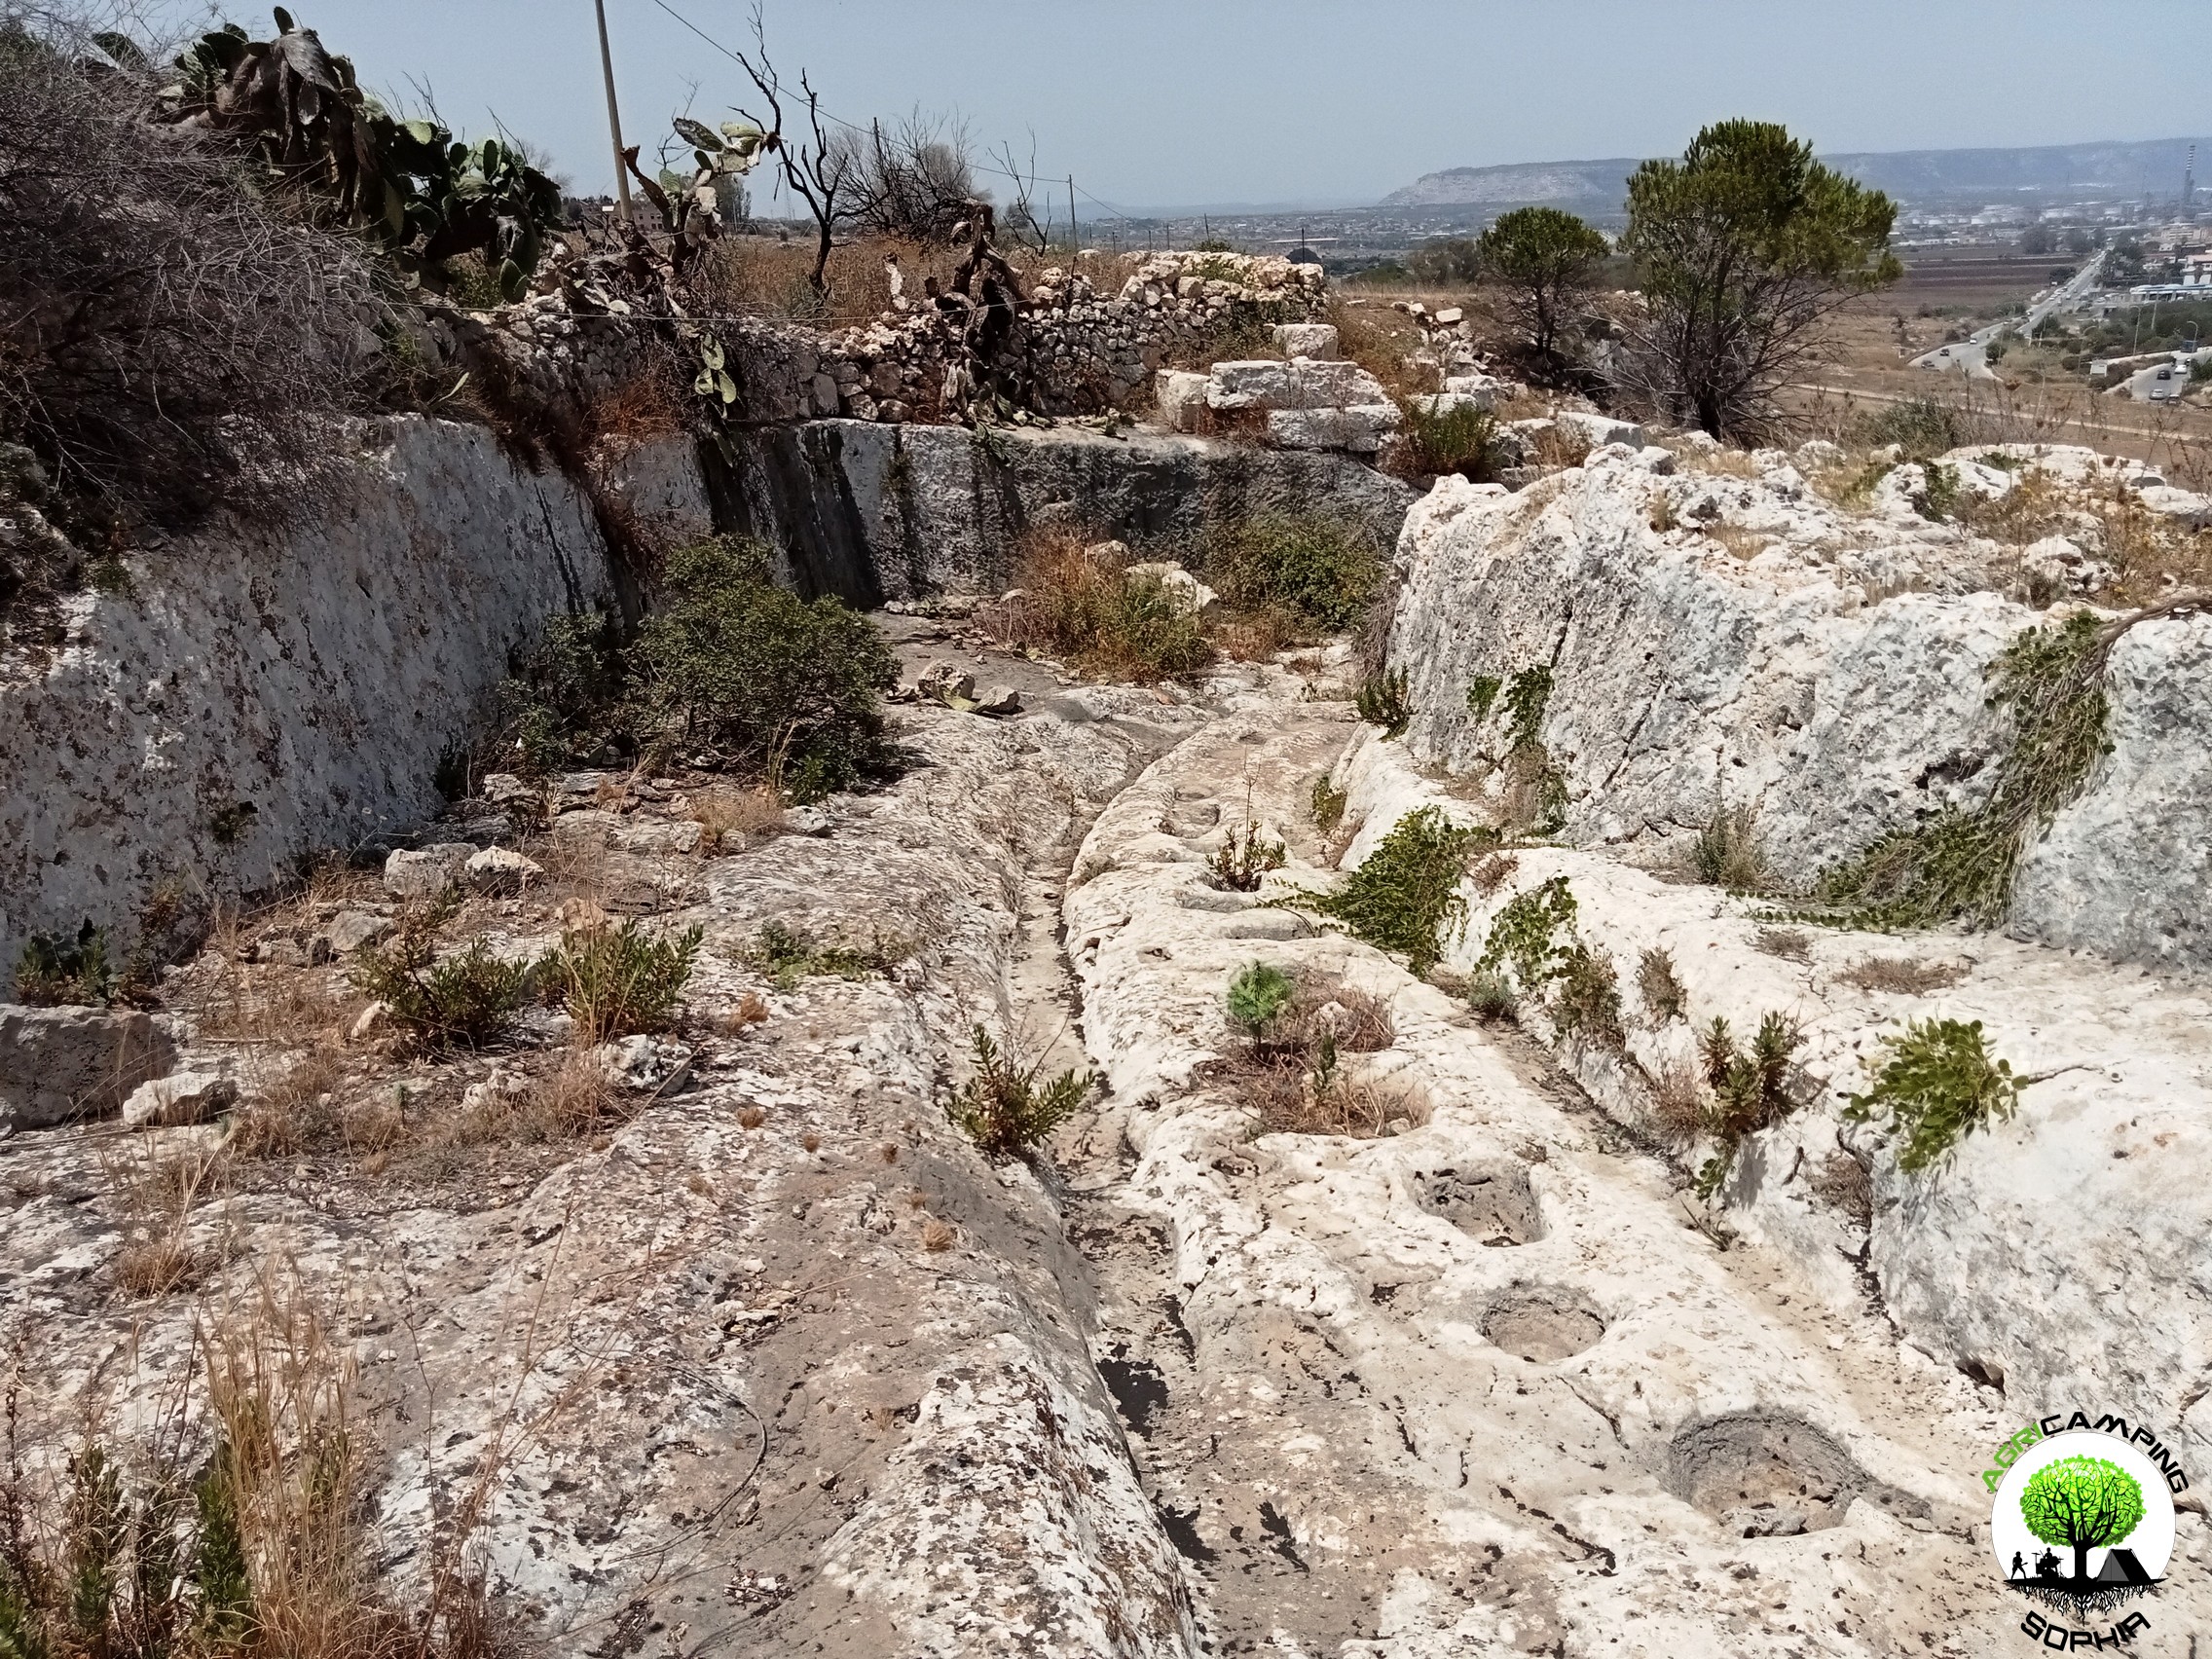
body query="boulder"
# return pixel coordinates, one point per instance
(806, 821)
(1180, 396)
(495, 869)
(350, 929)
(1314, 339)
(644, 1063)
(1265, 384)
(504, 789)
(656, 835)
(1177, 581)
(1600, 430)
(1358, 430)
(59, 1063)
(584, 830)
(178, 1100)
(429, 873)
(1000, 700)
(373, 1022)
(2062, 567)
(1434, 404)
(2187, 505)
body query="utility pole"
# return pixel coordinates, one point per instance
(613, 116)
(1075, 231)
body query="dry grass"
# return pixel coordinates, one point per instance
(768, 276)
(1292, 1076)
(1902, 976)
(1660, 986)
(751, 1118)
(279, 1118)
(730, 816)
(1841, 1180)
(1677, 1102)
(1555, 446)
(1491, 872)
(156, 1192)
(938, 1235)
(1740, 544)
(640, 410)
(1083, 609)
(573, 1101)
(1722, 461)
(1289, 1099)
(1792, 944)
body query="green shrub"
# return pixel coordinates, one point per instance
(1938, 496)
(464, 1001)
(1750, 1092)
(1482, 694)
(1257, 994)
(52, 972)
(1489, 995)
(1243, 857)
(1322, 571)
(1937, 1086)
(1587, 1002)
(1528, 694)
(1922, 428)
(564, 701)
(1525, 935)
(1004, 1109)
(1382, 701)
(1328, 805)
(615, 981)
(1456, 439)
(788, 954)
(1959, 864)
(1727, 853)
(1406, 897)
(737, 668)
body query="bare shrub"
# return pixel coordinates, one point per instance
(1660, 986)
(1492, 870)
(1677, 1102)
(1903, 975)
(170, 335)
(1841, 1180)
(1792, 944)
(729, 816)
(912, 179)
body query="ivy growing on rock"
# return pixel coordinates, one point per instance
(1960, 864)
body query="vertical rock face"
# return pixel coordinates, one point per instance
(873, 512)
(1782, 670)
(252, 696)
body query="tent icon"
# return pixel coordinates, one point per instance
(2121, 1568)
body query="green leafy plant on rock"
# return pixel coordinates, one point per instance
(52, 972)
(1258, 993)
(1960, 863)
(467, 1000)
(788, 954)
(1530, 936)
(1406, 898)
(1322, 571)
(1003, 1108)
(1939, 1083)
(1587, 1002)
(1750, 1092)
(616, 982)
(1382, 701)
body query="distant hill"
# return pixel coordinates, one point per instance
(1912, 176)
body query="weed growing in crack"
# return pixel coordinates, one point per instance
(1939, 1083)
(1482, 694)
(1241, 860)
(788, 954)
(1750, 1092)
(1002, 1107)
(1382, 701)
(1727, 853)
(1660, 986)
(1328, 805)
(615, 981)
(1960, 864)
(1587, 1002)
(1257, 994)
(1406, 897)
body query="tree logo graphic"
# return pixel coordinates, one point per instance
(2085, 1517)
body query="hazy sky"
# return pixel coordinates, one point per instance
(1167, 102)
